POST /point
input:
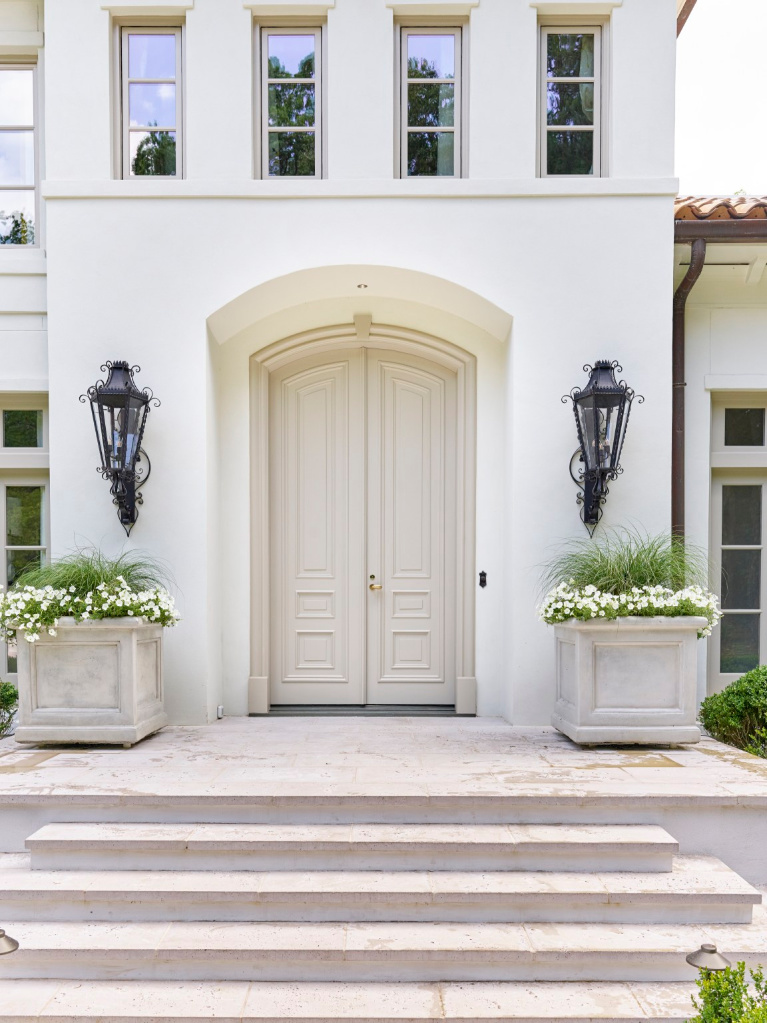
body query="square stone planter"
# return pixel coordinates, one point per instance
(632, 680)
(97, 682)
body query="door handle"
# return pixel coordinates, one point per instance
(376, 586)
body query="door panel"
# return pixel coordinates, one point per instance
(411, 529)
(317, 516)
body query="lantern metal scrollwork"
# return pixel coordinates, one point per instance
(602, 411)
(119, 411)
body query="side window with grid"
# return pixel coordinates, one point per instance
(23, 514)
(18, 155)
(151, 102)
(571, 101)
(431, 97)
(291, 102)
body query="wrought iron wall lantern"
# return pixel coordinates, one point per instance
(601, 410)
(119, 412)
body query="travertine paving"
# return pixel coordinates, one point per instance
(268, 758)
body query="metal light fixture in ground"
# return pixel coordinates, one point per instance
(119, 412)
(707, 958)
(601, 410)
(7, 943)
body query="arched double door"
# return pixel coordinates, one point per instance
(364, 516)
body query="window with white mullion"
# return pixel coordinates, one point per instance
(23, 520)
(291, 102)
(431, 102)
(18, 154)
(151, 102)
(571, 101)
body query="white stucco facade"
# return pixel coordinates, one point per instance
(532, 277)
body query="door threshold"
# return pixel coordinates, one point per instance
(393, 710)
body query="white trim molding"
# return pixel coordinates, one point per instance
(141, 8)
(432, 8)
(575, 8)
(289, 9)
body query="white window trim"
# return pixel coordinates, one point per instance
(401, 92)
(33, 66)
(21, 478)
(262, 98)
(124, 30)
(600, 100)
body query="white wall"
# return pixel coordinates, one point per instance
(136, 269)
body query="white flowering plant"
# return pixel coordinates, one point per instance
(567, 601)
(625, 573)
(36, 610)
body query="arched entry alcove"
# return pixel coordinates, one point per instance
(319, 313)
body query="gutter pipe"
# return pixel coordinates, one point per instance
(697, 259)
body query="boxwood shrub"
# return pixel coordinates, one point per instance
(738, 715)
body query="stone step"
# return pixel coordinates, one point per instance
(698, 889)
(136, 1002)
(619, 847)
(371, 952)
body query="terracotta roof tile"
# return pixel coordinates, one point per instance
(718, 207)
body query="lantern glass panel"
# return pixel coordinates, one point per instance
(588, 425)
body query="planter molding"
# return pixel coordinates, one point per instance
(94, 682)
(631, 680)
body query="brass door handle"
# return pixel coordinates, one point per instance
(376, 586)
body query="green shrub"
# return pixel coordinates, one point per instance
(738, 715)
(724, 996)
(9, 697)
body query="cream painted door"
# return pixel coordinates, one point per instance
(411, 530)
(362, 482)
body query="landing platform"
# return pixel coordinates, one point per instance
(710, 797)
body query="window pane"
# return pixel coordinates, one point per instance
(291, 105)
(22, 429)
(16, 97)
(152, 105)
(570, 55)
(741, 578)
(291, 56)
(13, 664)
(431, 56)
(570, 152)
(152, 56)
(430, 105)
(153, 152)
(430, 153)
(24, 516)
(17, 561)
(291, 153)
(744, 426)
(17, 217)
(17, 158)
(741, 515)
(739, 643)
(570, 104)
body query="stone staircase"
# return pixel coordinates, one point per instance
(363, 922)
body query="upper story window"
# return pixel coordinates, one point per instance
(151, 102)
(571, 101)
(18, 173)
(291, 102)
(430, 89)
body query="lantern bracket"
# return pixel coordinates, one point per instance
(119, 409)
(602, 410)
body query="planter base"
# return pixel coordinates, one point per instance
(125, 735)
(94, 682)
(597, 735)
(628, 680)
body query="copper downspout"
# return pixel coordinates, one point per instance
(697, 259)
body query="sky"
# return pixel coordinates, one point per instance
(721, 138)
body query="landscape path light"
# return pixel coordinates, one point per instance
(120, 410)
(7, 943)
(602, 411)
(707, 958)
